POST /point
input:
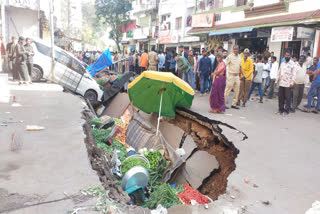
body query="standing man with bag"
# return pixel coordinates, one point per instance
(30, 53)
(233, 62)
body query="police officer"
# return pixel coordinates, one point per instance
(153, 60)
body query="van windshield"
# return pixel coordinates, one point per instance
(43, 49)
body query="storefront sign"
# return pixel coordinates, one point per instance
(31, 4)
(281, 34)
(168, 39)
(141, 33)
(190, 39)
(129, 27)
(203, 20)
(305, 33)
(263, 33)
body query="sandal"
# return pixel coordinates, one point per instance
(306, 110)
(315, 111)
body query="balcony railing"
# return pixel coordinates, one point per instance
(144, 5)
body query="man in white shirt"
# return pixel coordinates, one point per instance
(286, 80)
(265, 75)
(298, 89)
(273, 75)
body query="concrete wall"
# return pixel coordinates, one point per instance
(275, 47)
(25, 21)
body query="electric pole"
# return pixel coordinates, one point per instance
(3, 28)
(52, 41)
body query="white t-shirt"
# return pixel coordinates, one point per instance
(266, 70)
(274, 70)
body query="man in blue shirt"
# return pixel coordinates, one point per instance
(205, 68)
(182, 52)
(168, 60)
(161, 61)
(315, 87)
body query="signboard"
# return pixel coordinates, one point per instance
(31, 4)
(305, 33)
(203, 20)
(282, 34)
(130, 34)
(168, 39)
(141, 33)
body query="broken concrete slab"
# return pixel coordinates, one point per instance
(197, 168)
(173, 134)
(189, 146)
(117, 107)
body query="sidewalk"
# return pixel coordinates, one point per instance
(49, 164)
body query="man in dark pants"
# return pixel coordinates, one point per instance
(286, 80)
(168, 60)
(11, 47)
(21, 65)
(30, 53)
(205, 68)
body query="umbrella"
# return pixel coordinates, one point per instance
(160, 92)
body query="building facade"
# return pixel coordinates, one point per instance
(31, 19)
(253, 24)
(257, 24)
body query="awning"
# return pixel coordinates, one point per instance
(231, 31)
(124, 42)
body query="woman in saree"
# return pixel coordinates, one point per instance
(217, 102)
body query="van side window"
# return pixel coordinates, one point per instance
(76, 66)
(43, 49)
(62, 58)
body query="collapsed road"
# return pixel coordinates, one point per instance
(202, 139)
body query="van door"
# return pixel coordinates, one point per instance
(73, 72)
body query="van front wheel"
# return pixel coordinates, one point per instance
(36, 74)
(91, 96)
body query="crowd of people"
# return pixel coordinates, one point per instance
(20, 58)
(216, 72)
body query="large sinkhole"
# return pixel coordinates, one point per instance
(199, 152)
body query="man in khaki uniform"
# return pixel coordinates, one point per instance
(120, 64)
(233, 62)
(126, 63)
(153, 60)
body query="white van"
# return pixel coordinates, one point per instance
(69, 71)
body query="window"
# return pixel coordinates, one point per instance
(217, 17)
(45, 50)
(63, 59)
(241, 2)
(76, 66)
(178, 23)
(214, 4)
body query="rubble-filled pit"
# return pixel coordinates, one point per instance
(208, 138)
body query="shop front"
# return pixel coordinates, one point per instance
(299, 40)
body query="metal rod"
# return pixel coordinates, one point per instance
(159, 113)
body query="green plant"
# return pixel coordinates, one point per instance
(153, 158)
(156, 173)
(163, 195)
